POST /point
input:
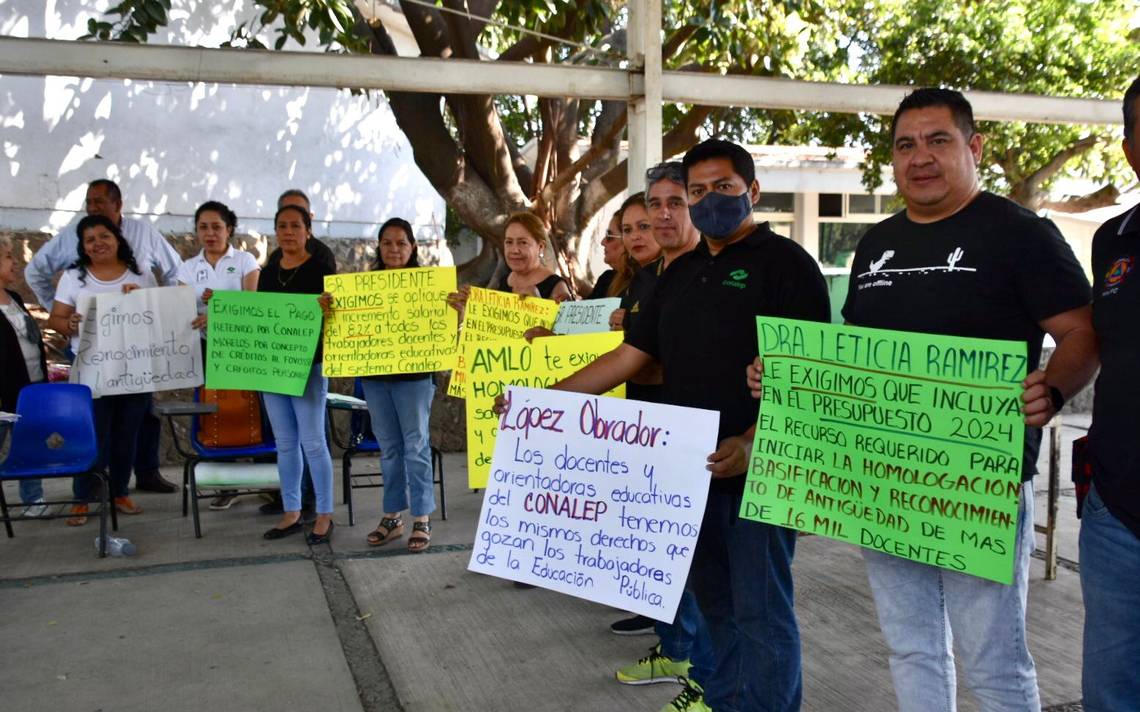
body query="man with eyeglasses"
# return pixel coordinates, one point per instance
(684, 652)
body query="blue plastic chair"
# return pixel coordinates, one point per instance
(361, 441)
(199, 452)
(55, 437)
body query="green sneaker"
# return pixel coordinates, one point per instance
(691, 699)
(654, 667)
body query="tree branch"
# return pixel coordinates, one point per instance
(1100, 198)
(1059, 159)
(461, 30)
(563, 179)
(525, 48)
(680, 138)
(437, 154)
(675, 41)
(1027, 191)
(481, 134)
(611, 113)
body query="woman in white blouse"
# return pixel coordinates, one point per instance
(218, 266)
(106, 264)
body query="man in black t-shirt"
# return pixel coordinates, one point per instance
(963, 262)
(700, 323)
(687, 637)
(1110, 525)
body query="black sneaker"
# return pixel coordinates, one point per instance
(637, 625)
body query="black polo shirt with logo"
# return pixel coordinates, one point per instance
(700, 322)
(640, 287)
(992, 270)
(1114, 437)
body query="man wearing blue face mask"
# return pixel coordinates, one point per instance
(700, 324)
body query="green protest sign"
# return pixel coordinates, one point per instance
(900, 442)
(261, 341)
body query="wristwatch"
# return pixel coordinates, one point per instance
(1057, 397)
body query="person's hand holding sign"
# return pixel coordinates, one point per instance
(731, 456)
(754, 374)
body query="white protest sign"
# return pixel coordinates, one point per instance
(585, 317)
(139, 342)
(600, 498)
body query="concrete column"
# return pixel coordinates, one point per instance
(644, 130)
(805, 225)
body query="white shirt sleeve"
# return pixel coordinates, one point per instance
(248, 263)
(68, 289)
(53, 257)
(163, 256)
(183, 275)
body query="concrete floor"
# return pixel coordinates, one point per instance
(234, 622)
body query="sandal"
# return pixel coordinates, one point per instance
(420, 538)
(389, 529)
(78, 515)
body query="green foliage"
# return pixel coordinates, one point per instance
(1084, 48)
(332, 20)
(138, 19)
(1048, 47)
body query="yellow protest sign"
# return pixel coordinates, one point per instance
(494, 365)
(390, 321)
(496, 315)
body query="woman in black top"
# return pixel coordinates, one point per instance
(299, 421)
(613, 282)
(523, 245)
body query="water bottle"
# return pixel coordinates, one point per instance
(117, 546)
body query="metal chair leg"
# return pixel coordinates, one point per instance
(104, 503)
(437, 465)
(4, 509)
(194, 504)
(185, 486)
(346, 470)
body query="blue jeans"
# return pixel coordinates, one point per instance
(687, 638)
(925, 611)
(742, 577)
(117, 422)
(31, 490)
(400, 411)
(299, 424)
(1110, 570)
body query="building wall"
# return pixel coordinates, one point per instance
(171, 146)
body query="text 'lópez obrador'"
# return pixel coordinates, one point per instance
(600, 498)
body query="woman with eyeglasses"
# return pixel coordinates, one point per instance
(613, 281)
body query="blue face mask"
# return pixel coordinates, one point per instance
(717, 215)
